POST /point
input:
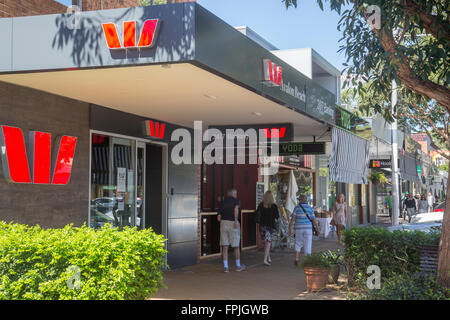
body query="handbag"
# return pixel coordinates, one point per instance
(332, 223)
(315, 231)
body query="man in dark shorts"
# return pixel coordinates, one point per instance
(230, 230)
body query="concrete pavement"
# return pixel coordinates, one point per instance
(280, 281)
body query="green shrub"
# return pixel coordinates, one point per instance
(396, 253)
(38, 263)
(407, 287)
(316, 260)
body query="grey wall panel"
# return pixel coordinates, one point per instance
(45, 42)
(6, 44)
(182, 229)
(182, 254)
(183, 178)
(183, 205)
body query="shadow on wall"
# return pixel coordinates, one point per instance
(87, 41)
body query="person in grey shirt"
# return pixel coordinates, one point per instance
(422, 204)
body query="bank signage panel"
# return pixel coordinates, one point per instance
(35, 165)
(147, 38)
(154, 129)
(282, 131)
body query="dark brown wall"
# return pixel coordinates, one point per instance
(48, 206)
(19, 8)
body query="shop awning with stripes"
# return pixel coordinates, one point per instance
(349, 160)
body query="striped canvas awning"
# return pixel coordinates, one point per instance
(349, 160)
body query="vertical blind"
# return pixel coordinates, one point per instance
(349, 160)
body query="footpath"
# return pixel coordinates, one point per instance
(280, 281)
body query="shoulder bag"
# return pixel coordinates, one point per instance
(315, 231)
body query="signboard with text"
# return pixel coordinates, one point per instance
(301, 148)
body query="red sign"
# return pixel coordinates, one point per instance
(16, 167)
(275, 132)
(154, 129)
(147, 38)
(272, 73)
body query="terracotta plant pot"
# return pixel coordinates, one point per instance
(334, 274)
(316, 278)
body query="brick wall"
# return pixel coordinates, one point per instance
(89, 5)
(19, 8)
(46, 205)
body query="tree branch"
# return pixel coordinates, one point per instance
(426, 88)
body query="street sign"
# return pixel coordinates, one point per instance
(301, 148)
(380, 163)
(419, 169)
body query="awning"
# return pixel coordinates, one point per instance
(408, 167)
(349, 160)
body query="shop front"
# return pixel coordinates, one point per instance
(97, 113)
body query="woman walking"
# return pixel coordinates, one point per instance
(340, 215)
(267, 215)
(302, 219)
(422, 204)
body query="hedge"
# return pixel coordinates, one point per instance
(407, 287)
(79, 263)
(396, 253)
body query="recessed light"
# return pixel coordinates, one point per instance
(210, 96)
(258, 114)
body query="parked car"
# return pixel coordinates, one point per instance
(425, 227)
(440, 207)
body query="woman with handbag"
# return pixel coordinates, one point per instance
(304, 222)
(339, 215)
(267, 215)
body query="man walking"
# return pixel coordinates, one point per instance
(411, 207)
(230, 230)
(430, 200)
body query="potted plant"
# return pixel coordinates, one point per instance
(336, 259)
(316, 268)
(377, 177)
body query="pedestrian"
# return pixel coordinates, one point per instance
(389, 204)
(340, 215)
(230, 230)
(430, 201)
(302, 219)
(267, 215)
(422, 204)
(411, 206)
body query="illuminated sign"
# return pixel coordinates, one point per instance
(272, 73)
(282, 131)
(16, 162)
(380, 163)
(154, 129)
(302, 148)
(147, 38)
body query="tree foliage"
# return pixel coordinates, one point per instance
(411, 46)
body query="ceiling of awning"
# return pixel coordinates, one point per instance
(177, 93)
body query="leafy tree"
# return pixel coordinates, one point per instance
(406, 41)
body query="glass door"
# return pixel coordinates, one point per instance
(140, 185)
(123, 171)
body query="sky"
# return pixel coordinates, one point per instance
(303, 27)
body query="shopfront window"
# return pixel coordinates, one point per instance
(116, 196)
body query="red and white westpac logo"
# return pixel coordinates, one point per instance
(147, 38)
(154, 129)
(272, 74)
(275, 132)
(16, 160)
